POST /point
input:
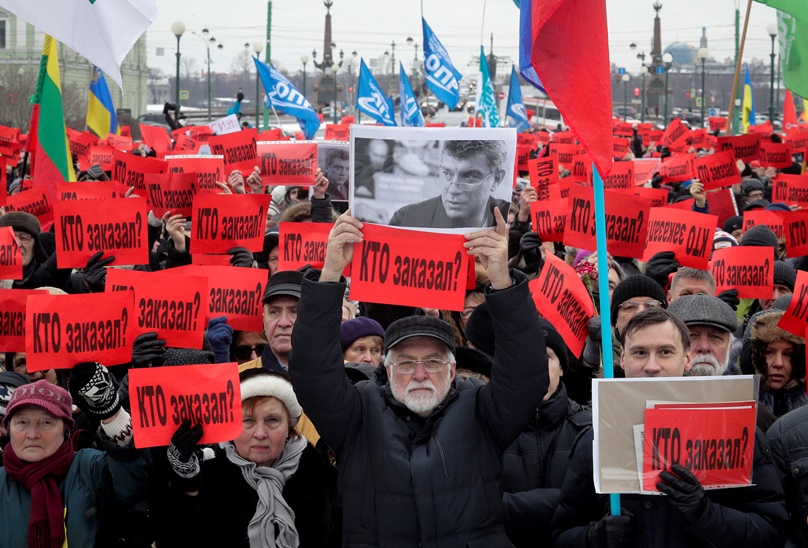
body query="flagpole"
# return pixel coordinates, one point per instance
(40, 81)
(482, 24)
(732, 125)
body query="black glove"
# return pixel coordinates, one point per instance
(730, 296)
(93, 391)
(95, 172)
(239, 256)
(662, 265)
(95, 273)
(610, 531)
(685, 492)
(182, 455)
(148, 350)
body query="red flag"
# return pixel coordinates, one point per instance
(789, 112)
(564, 51)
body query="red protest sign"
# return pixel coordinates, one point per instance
(626, 223)
(337, 132)
(765, 129)
(119, 141)
(654, 136)
(548, 218)
(797, 138)
(676, 134)
(717, 123)
(12, 318)
(35, 202)
(270, 135)
(237, 149)
(209, 169)
(10, 255)
(743, 147)
(715, 443)
(528, 139)
(543, 173)
(624, 129)
(205, 259)
(676, 169)
(688, 234)
(772, 219)
(748, 269)
(230, 220)
(796, 233)
(301, 244)
(9, 140)
(3, 182)
(716, 170)
(562, 299)
(579, 230)
(161, 398)
(658, 197)
(563, 137)
(581, 171)
(174, 308)
(200, 133)
(393, 266)
(131, 169)
(620, 147)
(233, 292)
(795, 318)
(80, 144)
(698, 138)
(792, 189)
(644, 169)
(565, 153)
(287, 162)
(90, 191)
(775, 155)
(101, 155)
(186, 145)
(117, 227)
(156, 138)
(63, 330)
(523, 157)
(621, 176)
(172, 192)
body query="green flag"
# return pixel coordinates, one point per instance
(793, 38)
(797, 8)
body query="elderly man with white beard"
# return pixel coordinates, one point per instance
(711, 323)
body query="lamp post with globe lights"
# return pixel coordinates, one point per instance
(625, 79)
(703, 54)
(668, 60)
(771, 28)
(178, 29)
(304, 59)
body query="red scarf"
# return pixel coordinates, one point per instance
(46, 527)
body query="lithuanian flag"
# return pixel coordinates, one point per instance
(53, 160)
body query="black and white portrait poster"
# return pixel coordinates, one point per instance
(334, 158)
(436, 179)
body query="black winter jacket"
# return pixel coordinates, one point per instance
(535, 466)
(406, 480)
(789, 441)
(753, 517)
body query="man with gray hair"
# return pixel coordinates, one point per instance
(711, 323)
(467, 176)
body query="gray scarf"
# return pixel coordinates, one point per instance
(271, 510)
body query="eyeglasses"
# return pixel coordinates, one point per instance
(633, 306)
(431, 365)
(463, 180)
(244, 352)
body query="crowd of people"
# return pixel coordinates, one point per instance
(368, 424)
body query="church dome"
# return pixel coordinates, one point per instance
(682, 53)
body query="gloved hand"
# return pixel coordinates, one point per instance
(591, 353)
(148, 350)
(182, 455)
(610, 531)
(685, 492)
(95, 273)
(662, 265)
(220, 336)
(93, 391)
(239, 256)
(730, 296)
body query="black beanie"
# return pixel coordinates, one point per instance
(733, 223)
(479, 329)
(636, 286)
(553, 340)
(784, 274)
(760, 235)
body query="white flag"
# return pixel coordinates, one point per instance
(101, 31)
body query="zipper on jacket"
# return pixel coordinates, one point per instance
(442, 456)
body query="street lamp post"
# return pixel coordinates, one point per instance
(771, 28)
(258, 47)
(304, 59)
(626, 78)
(178, 29)
(668, 60)
(208, 39)
(703, 54)
(643, 71)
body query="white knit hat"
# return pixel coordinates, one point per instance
(267, 384)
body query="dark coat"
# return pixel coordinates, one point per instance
(789, 441)
(431, 214)
(226, 503)
(406, 480)
(535, 466)
(753, 517)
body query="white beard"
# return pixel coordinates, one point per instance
(705, 365)
(421, 403)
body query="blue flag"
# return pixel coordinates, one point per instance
(410, 113)
(486, 103)
(441, 76)
(516, 113)
(526, 46)
(281, 94)
(371, 100)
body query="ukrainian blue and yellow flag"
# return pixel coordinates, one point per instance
(101, 116)
(748, 102)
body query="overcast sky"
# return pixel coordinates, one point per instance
(369, 26)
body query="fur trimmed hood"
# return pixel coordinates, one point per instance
(764, 330)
